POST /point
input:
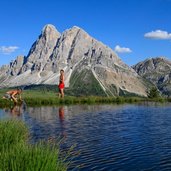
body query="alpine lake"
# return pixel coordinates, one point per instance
(127, 137)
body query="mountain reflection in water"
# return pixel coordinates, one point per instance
(108, 137)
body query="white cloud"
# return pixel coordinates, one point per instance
(122, 49)
(158, 34)
(8, 49)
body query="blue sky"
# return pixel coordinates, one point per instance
(136, 30)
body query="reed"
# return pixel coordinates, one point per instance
(17, 154)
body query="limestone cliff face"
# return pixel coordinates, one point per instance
(82, 58)
(158, 71)
(30, 69)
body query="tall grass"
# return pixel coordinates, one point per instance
(16, 154)
(12, 133)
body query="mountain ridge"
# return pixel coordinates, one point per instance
(157, 71)
(76, 52)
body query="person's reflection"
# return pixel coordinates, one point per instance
(61, 114)
(18, 109)
(15, 110)
(62, 121)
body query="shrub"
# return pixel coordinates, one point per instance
(153, 93)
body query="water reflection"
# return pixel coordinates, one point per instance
(61, 114)
(16, 110)
(48, 113)
(154, 104)
(62, 121)
(123, 137)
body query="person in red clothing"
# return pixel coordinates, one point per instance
(61, 84)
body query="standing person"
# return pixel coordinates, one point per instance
(61, 84)
(12, 95)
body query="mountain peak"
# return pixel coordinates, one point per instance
(156, 70)
(42, 48)
(156, 60)
(160, 58)
(49, 28)
(75, 27)
(85, 60)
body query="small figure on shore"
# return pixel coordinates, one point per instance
(12, 95)
(61, 84)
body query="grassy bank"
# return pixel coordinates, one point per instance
(38, 99)
(17, 154)
(43, 97)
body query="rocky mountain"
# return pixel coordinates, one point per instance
(158, 71)
(90, 66)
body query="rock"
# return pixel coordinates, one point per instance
(42, 49)
(83, 58)
(15, 67)
(158, 71)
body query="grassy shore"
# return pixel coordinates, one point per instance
(17, 154)
(37, 98)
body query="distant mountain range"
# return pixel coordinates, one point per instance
(91, 68)
(157, 71)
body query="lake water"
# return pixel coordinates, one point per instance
(107, 137)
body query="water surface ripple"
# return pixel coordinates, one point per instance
(108, 137)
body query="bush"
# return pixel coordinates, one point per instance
(153, 93)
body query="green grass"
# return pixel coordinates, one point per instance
(84, 83)
(46, 97)
(16, 154)
(12, 133)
